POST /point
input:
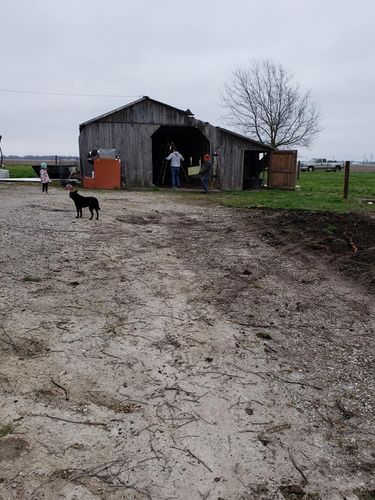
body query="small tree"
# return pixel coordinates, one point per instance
(264, 103)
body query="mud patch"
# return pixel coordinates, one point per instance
(296, 492)
(140, 220)
(347, 240)
(23, 348)
(366, 494)
(60, 210)
(45, 395)
(11, 448)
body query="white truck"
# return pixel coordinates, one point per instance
(321, 164)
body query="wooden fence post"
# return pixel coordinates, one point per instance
(346, 179)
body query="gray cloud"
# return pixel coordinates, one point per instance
(180, 53)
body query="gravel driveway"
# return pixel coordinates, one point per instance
(168, 351)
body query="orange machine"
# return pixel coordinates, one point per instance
(106, 174)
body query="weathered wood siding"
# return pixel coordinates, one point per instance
(282, 172)
(149, 112)
(132, 142)
(230, 160)
(130, 131)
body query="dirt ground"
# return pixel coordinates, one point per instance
(176, 349)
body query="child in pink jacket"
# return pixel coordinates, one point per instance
(44, 177)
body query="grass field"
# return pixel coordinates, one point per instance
(17, 171)
(315, 191)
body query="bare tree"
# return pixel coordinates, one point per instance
(265, 104)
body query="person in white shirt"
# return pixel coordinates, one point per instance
(175, 158)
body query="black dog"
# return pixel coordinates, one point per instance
(84, 201)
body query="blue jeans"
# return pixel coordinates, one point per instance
(175, 176)
(204, 181)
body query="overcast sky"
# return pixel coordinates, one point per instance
(181, 53)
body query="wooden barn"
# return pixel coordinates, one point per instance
(142, 132)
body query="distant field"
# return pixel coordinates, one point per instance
(29, 161)
(360, 167)
(363, 168)
(25, 170)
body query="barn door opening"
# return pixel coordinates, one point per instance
(282, 169)
(190, 142)
(254, 164)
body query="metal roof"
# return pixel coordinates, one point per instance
(245, 138)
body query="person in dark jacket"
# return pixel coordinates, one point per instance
(205, 172)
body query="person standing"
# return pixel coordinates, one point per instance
(44, 177)
(205, 172)
(175, 158)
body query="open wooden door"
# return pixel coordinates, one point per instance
(282, 169)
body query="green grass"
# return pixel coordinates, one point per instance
(264, 335)
(315, 191)
(17, 171)
(31, 279)
(6, 429)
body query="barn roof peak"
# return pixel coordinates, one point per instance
(133, 103)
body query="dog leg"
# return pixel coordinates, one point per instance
(91, 212)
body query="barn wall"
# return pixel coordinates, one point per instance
(230, 159)
(130, 131)
(132, 142)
